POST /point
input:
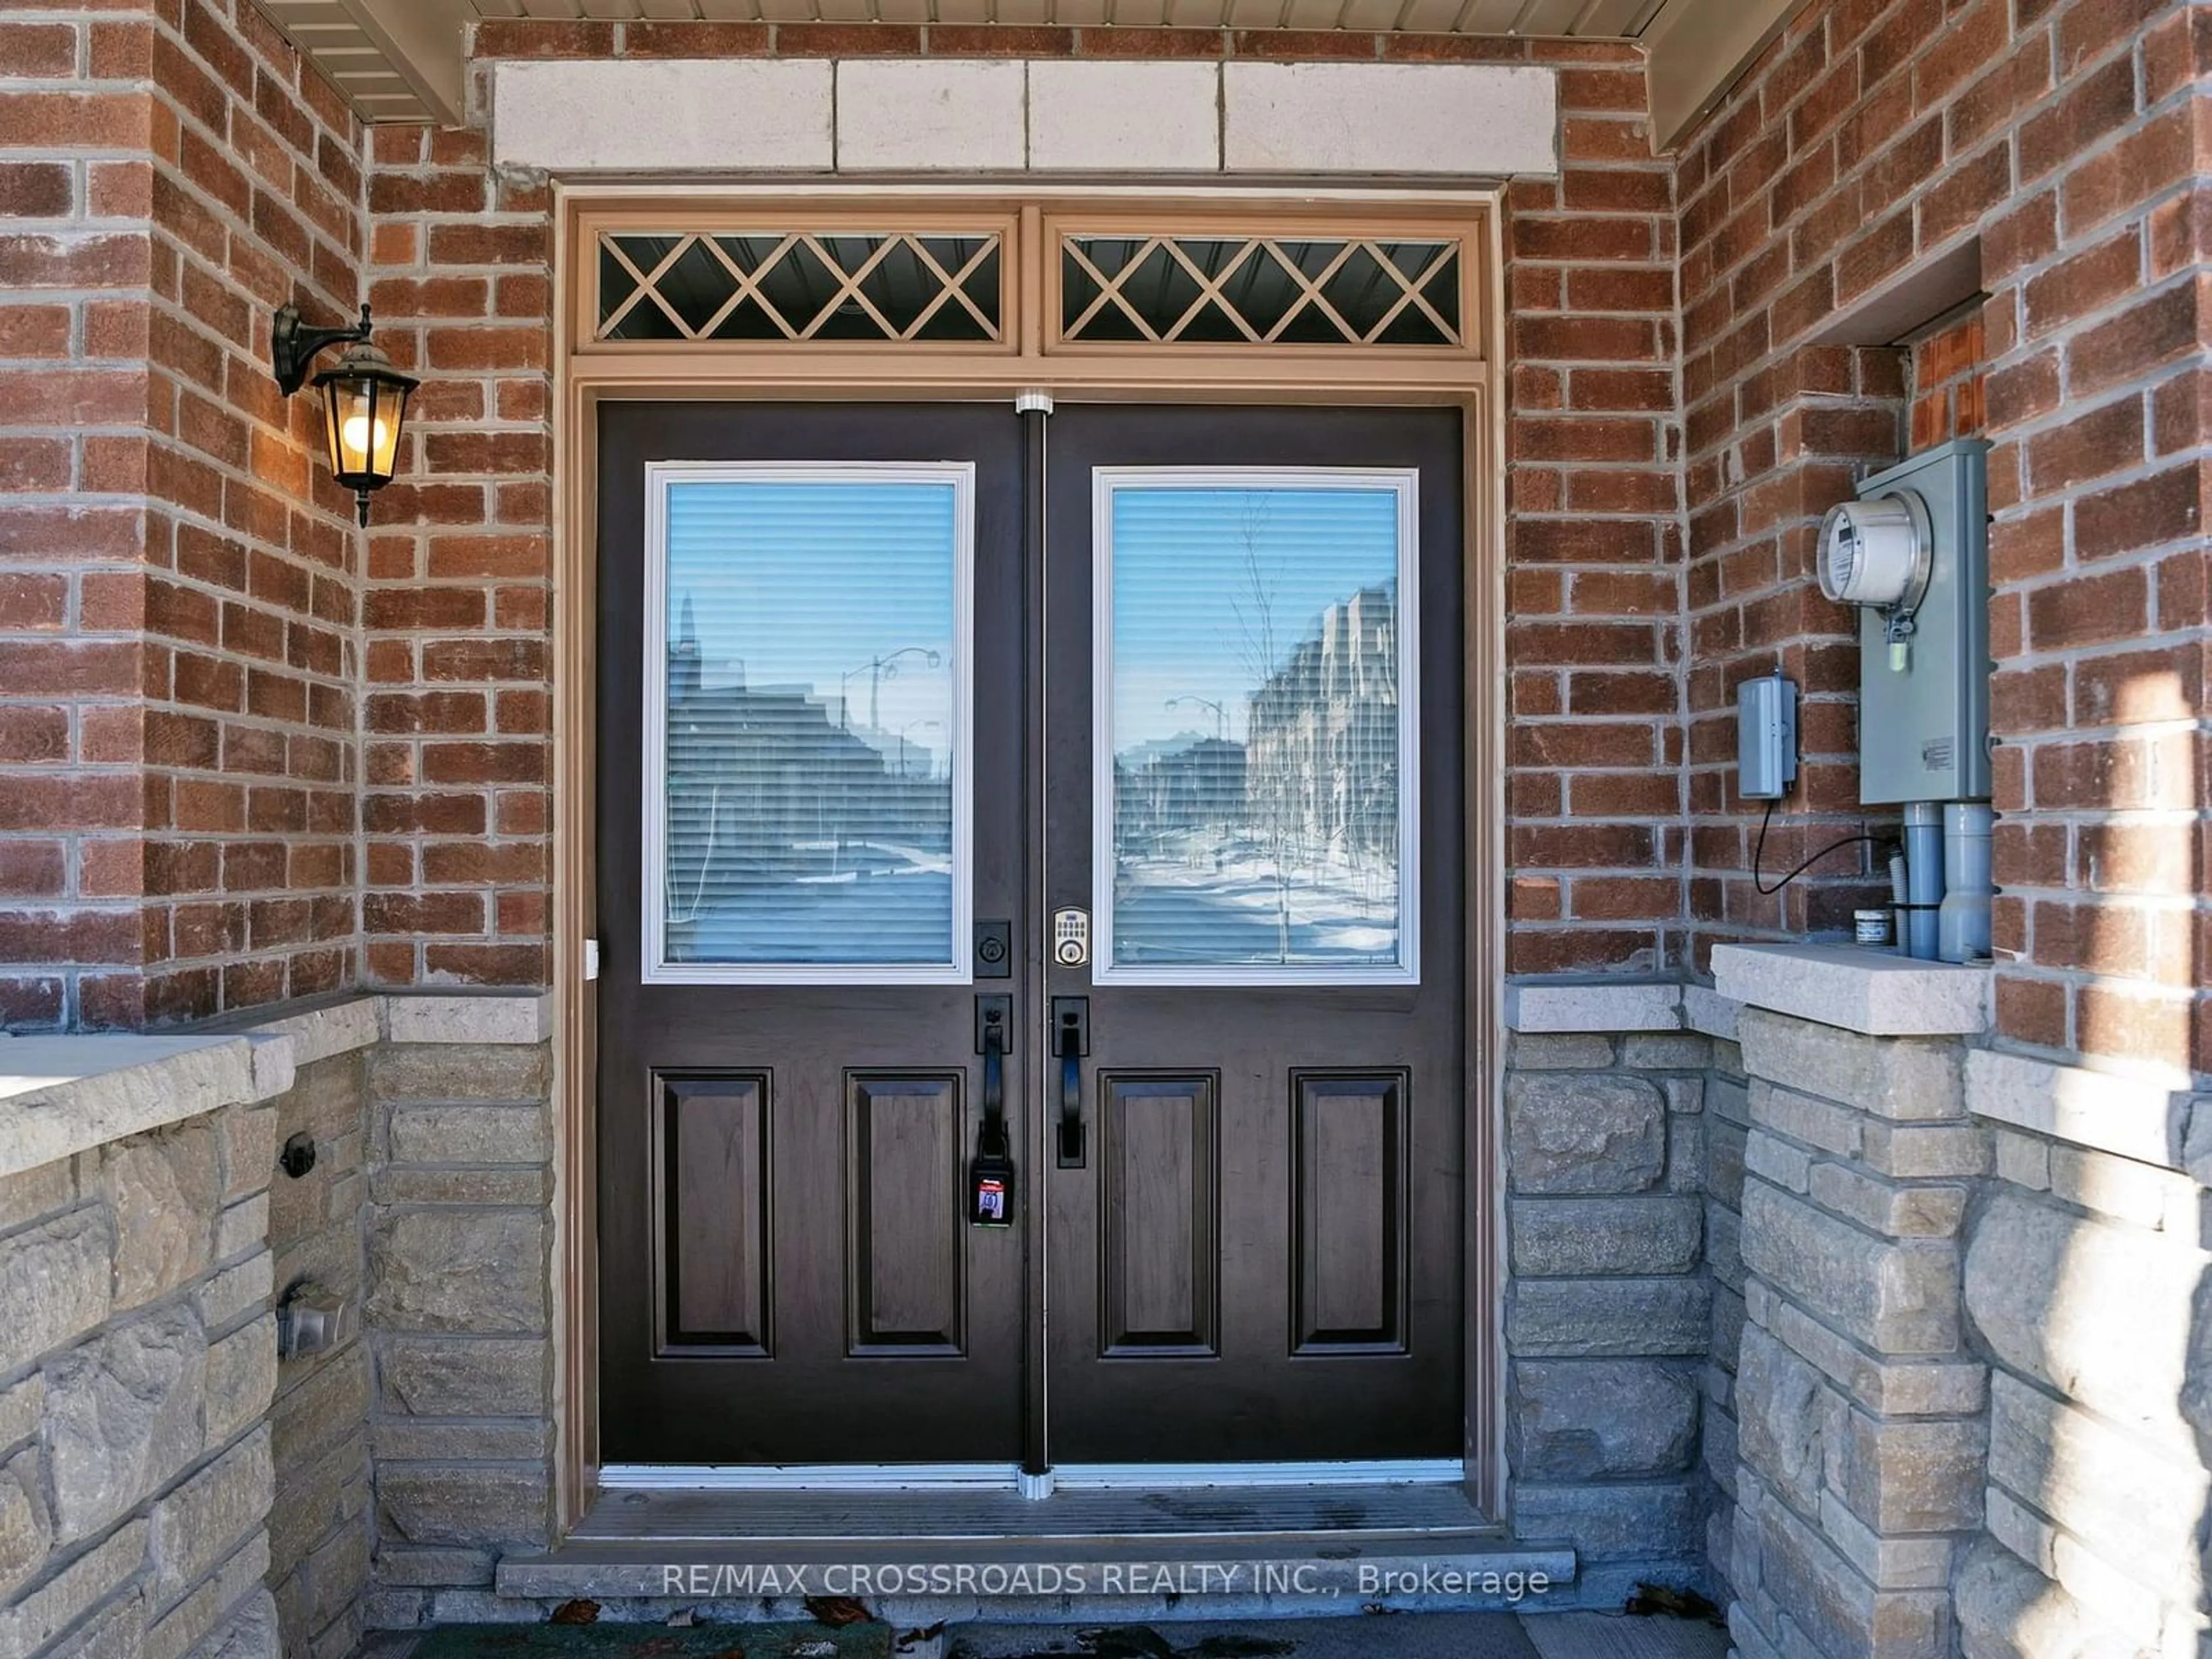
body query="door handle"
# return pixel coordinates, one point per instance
(1071, 1040)
(994, 1077)
(991, 1174)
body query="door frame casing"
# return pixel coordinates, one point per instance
(586, 373)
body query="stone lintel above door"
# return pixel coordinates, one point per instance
(1002, 117)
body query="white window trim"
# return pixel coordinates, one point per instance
(660, 479)
(1405, 483)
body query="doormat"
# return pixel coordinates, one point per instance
(1378, 1635)
(868, 1640)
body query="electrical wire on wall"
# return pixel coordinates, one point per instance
(1758, 854)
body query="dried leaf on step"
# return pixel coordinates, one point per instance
(578, 1612)
(1659, 1600)
(836, 1610)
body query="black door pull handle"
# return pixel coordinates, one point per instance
(1070, 1017)
(991, 1174)
(995, 1076)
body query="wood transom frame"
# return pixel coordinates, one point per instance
(945, 289)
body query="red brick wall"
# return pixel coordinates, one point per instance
(193, 611)
(1945, 377)
(1594, 550)
(177, 648)
(1593, 602)
(2069, 135)
(457, 807)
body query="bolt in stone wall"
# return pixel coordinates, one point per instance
(459, 1241)
(2085, 1287)
(320, 1525)
(138, 1358)
(1609, 1309)
(1859, 1408)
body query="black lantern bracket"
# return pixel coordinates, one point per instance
(293, 345)
(364, 398)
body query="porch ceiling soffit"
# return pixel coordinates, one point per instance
(405, 60)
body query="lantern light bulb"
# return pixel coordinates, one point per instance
(360, 436)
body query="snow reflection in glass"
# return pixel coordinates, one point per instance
(811, 799)
(1251, 663)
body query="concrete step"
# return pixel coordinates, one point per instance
(1241, 1549)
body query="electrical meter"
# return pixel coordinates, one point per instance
(1913, 553)
(1877, 552)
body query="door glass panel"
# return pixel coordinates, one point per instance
(1255, 778)
(806, 793)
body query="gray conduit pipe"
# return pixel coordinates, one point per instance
(1963, 923)
(1923, 877)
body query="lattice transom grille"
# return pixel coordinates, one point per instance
(912, 286)
(1260, 290)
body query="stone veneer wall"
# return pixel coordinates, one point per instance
(167, 1487)
(2085, 1289)
(319, 1527)
(1974, 1394)
(1728, 1120)
(1608, 1307)
(1859, 1402)
(460, 1311)
(138, 1358)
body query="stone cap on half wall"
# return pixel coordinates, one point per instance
(60, 1095)
(1875, 992)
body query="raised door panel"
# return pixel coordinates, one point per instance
(713, 1137)
(906, 1227)
(1349, 1248)
(1159, 1216)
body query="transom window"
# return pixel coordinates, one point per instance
(798, 285)
(1260, 290)
(1101, 282)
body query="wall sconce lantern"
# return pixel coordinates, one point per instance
(364, 398)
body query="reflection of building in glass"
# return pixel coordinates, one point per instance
(765, 789)
(1322, 773)
(1183, 783)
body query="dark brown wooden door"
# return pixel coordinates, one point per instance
(1208, 700)
(1257, 613)
(788, 1274)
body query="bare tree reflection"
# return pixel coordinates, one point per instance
(1283, 847)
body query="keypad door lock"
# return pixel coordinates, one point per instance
(1071, 938)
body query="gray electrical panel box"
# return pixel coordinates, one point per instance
(1925, 710)
(1765, 737)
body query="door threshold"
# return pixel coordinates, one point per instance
(809, 1476)
(1009, 1477)
(782, 1518)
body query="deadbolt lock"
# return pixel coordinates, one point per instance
(1071, 938)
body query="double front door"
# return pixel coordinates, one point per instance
(1031, 908)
